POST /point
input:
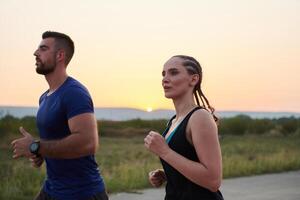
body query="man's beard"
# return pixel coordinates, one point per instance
(44, 69)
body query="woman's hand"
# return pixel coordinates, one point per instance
(157, 177)
(155, 143)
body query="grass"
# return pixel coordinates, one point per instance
(252, 155)
(125, 163)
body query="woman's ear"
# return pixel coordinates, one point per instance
(194, 79)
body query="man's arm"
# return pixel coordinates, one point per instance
(83, 140)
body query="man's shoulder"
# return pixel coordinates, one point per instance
(72, 83)
(74, 91)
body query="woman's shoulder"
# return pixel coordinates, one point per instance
(200, 116)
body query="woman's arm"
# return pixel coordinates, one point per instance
(204, 136)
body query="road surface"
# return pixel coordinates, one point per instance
(281, 186)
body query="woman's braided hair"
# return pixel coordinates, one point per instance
(194, 67)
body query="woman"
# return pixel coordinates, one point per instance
(189, 148)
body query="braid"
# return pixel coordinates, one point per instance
(194, 67)
(201, 98)
(196, 97)
(212, 110)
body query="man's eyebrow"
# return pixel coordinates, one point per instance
(43, 46)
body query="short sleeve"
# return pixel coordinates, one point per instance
(77, 100)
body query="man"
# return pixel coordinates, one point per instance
(67, 128)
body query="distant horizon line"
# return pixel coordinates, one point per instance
(168, 109)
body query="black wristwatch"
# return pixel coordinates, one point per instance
(35, 147)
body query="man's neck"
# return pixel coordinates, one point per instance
(55, 80)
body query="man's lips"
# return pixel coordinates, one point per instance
(37, 62)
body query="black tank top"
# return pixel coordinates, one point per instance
(178, 186)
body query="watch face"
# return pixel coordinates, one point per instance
(34, 146)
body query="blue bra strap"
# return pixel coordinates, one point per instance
(171, 134)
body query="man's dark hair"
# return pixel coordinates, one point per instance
(62, 41)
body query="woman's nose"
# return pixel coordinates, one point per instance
(165, 79)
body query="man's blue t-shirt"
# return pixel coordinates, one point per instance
(67, 178)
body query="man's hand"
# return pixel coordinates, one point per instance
(21, 145)
(36, 161)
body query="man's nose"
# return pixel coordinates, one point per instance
(35, 53)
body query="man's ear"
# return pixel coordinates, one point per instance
(60, 55)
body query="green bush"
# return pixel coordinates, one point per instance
(238, 125)
(288, 125)
(261, 126)
(10, 125)
(133, 127)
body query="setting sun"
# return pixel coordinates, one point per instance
(149, 109)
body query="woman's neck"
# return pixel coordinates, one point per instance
(183, 106)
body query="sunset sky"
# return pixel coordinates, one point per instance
(249, 50)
